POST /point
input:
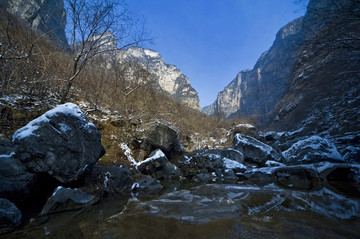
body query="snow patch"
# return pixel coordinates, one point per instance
(68, 109)
(127, 153)
(231, 164)
(158, 154)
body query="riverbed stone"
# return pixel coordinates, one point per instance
(10, 216)
(67, 199)
(254, 151)
(298, 178)
(16, 182)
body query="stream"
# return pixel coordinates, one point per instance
(208, 211)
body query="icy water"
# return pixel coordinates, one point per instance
(208, 211)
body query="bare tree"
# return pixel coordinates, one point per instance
(97, 27)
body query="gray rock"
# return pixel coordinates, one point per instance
(352, 154)
(312, 150)
(10, 216)
(343, 178)
(61, 142)
(5, 146)
(46, 16)
(200, 164)
(113, 178)
(158, 166)
(160, 136)
(298, 178)
(16, 183)
(259, 177)
(202, 177)
(67, 199)
(147, 184)
(255, 151)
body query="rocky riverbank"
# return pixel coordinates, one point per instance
(53, 161)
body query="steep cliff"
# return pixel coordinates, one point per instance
(324, 92)
(169, 78)
(48, 16)
(257, 91)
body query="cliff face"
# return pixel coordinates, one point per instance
(324, 92)
(48, 16)
(169, 78)
(257, 91)
(309, 79)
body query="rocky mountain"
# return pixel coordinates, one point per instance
(323, 88)
(257, 91)
(308, 80)
(169, 78)
(48, 16)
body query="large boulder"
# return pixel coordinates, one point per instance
(67, 199)
(160, 136)
(312, 150)
(255, 151)
(16, 182)
(158, 166)
(10, 216)
(61, 142)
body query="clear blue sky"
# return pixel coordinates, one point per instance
(210, 41)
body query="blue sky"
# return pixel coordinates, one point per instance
(210, 41)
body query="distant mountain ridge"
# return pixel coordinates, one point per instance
(169, 77)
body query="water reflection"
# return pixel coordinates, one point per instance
(209, 211)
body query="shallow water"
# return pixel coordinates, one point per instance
(209, 211)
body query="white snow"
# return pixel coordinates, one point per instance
(151, 53)
(56, 190)
(68, 109)
(316, 143)
(127, 153)
(249, 126)
(271, 163)
(7, 155)
(64, 127)
(158, 154)
(231, 164)
(263, 147)
(107, 178)
(187, 159)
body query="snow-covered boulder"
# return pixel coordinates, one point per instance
(61, 142)
(312, 150)
(67, 199)
(158, 166)
(10, 216)
(16, 182)
(255, 151)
